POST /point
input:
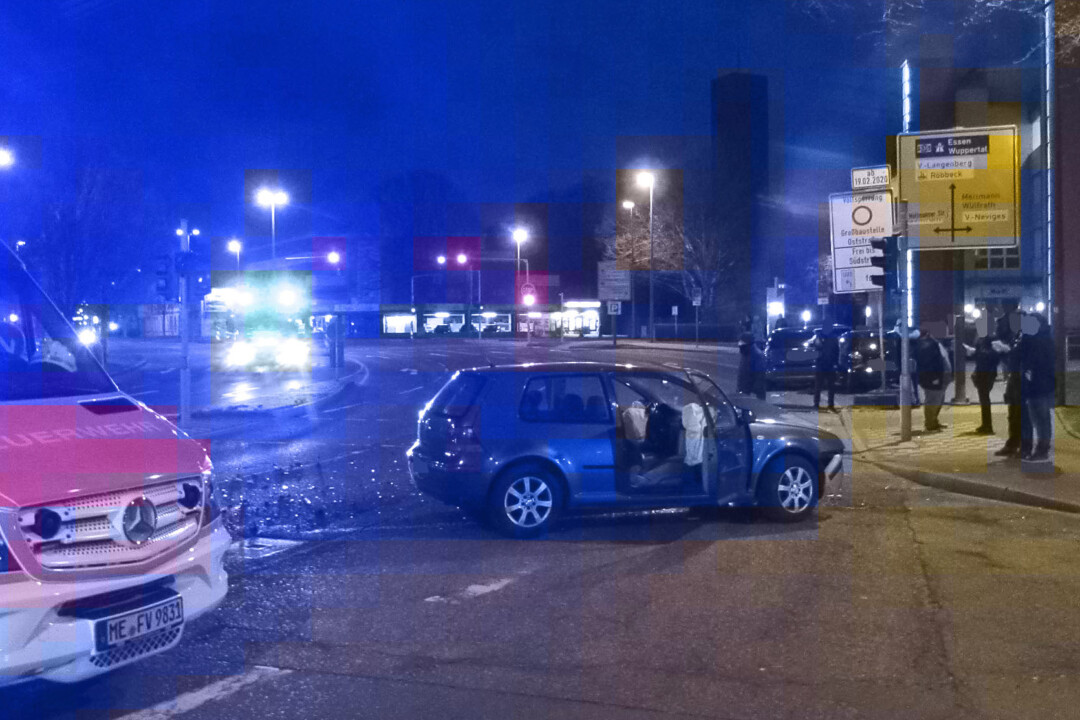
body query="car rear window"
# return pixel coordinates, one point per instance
(457, 396)
(790, 341)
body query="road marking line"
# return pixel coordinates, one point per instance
(473, 591)
(478, 590)
(197, 698)
(343, 407)
(144, 392)
(406, 392)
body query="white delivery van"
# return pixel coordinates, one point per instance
(110, 536)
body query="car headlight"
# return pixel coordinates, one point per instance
(7, 561)
(240, 354)
(293, 353)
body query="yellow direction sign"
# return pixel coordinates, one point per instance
(961, 188)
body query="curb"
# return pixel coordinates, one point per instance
(1064, 424)
(962, 486)
(731, 349)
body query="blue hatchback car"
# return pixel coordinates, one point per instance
(521, 444)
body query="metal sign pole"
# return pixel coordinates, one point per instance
(905, 338)
(881, 333)
(614, 323)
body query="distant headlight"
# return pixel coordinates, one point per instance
(87, 336)
(240, 354)
(293, 353)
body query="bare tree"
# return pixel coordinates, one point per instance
(899, 19)
(91, 239)
(689, 251)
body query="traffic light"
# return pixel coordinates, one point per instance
(162, 269)
(885, 258)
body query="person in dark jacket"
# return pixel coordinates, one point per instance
(825, 366)
(1037, 379)
(934, 376)
(984, 377)
(1008, 345)
(751, 378)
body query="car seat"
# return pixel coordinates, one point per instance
(572, 407)
(595, 410)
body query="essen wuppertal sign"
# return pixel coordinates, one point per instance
(961, 188)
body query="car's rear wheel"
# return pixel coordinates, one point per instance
(788, 489)
(524, 502)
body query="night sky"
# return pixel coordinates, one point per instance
(367, 108)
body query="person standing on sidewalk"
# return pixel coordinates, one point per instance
(1037, 384)
(828, 358)
(1008, 344)
(984, 377)
(934, 375)
(751, 377)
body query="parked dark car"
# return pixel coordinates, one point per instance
(522, 443)
(791, 354)
(859, 353)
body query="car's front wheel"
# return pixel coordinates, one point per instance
(788, 489)
(524, 502)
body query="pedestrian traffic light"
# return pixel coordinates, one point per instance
(884, 257)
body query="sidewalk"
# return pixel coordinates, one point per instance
(960, 461)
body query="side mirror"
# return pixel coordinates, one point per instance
(745, 415)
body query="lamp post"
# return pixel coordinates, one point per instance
(7, 158)
(629, 205)
(185, 331)
(648, 180)
(235, 247)
(463, 259)
(271, 199)
(520, 236)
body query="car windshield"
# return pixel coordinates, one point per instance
(40, 355)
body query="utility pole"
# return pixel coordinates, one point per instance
(185, 330)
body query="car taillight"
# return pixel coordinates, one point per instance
(7, 560)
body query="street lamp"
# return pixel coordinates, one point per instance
(648, 180)
(235, 247)
(333, 257)
(629, 205)
(462, 259)
(271, 199)
(7, 158)
(441, 259)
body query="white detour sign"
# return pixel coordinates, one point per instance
(613, 284)
(854, 220)
(961, 187)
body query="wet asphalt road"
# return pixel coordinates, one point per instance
(900, 601)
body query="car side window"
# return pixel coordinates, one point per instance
(720, 408)
(565, 398)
